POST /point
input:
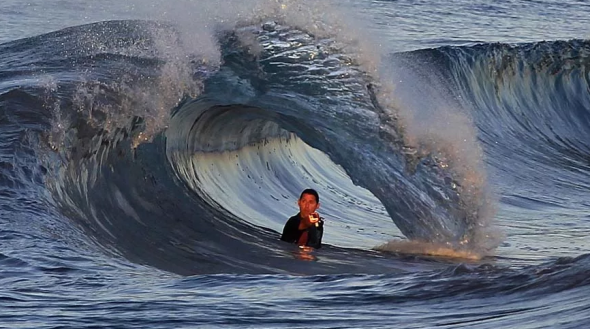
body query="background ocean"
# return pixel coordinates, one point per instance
(151, 151)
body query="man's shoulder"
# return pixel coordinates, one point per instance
(294, 219)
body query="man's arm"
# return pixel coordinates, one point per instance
(290, 231)
(315, 238)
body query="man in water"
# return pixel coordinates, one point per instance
(307, 227)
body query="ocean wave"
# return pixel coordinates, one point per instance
(193, 167)
(529, 99)
(131, 188)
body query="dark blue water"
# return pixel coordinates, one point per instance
(150, 154)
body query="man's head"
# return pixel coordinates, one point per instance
(309, 202)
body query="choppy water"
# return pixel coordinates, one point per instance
(151, 152)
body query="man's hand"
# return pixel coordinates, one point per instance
(314, 218)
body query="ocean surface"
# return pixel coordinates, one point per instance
(151, 152)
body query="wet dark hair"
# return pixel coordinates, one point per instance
(312, 192)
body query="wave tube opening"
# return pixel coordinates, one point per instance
(237, 158)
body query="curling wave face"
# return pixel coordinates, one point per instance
(163, 199)
(307, 87)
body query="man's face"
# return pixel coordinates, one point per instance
(307, 205)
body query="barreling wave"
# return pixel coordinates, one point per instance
(193, 166)
(312, 90)
(154, 202)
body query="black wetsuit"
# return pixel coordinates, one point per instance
(292, 233)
